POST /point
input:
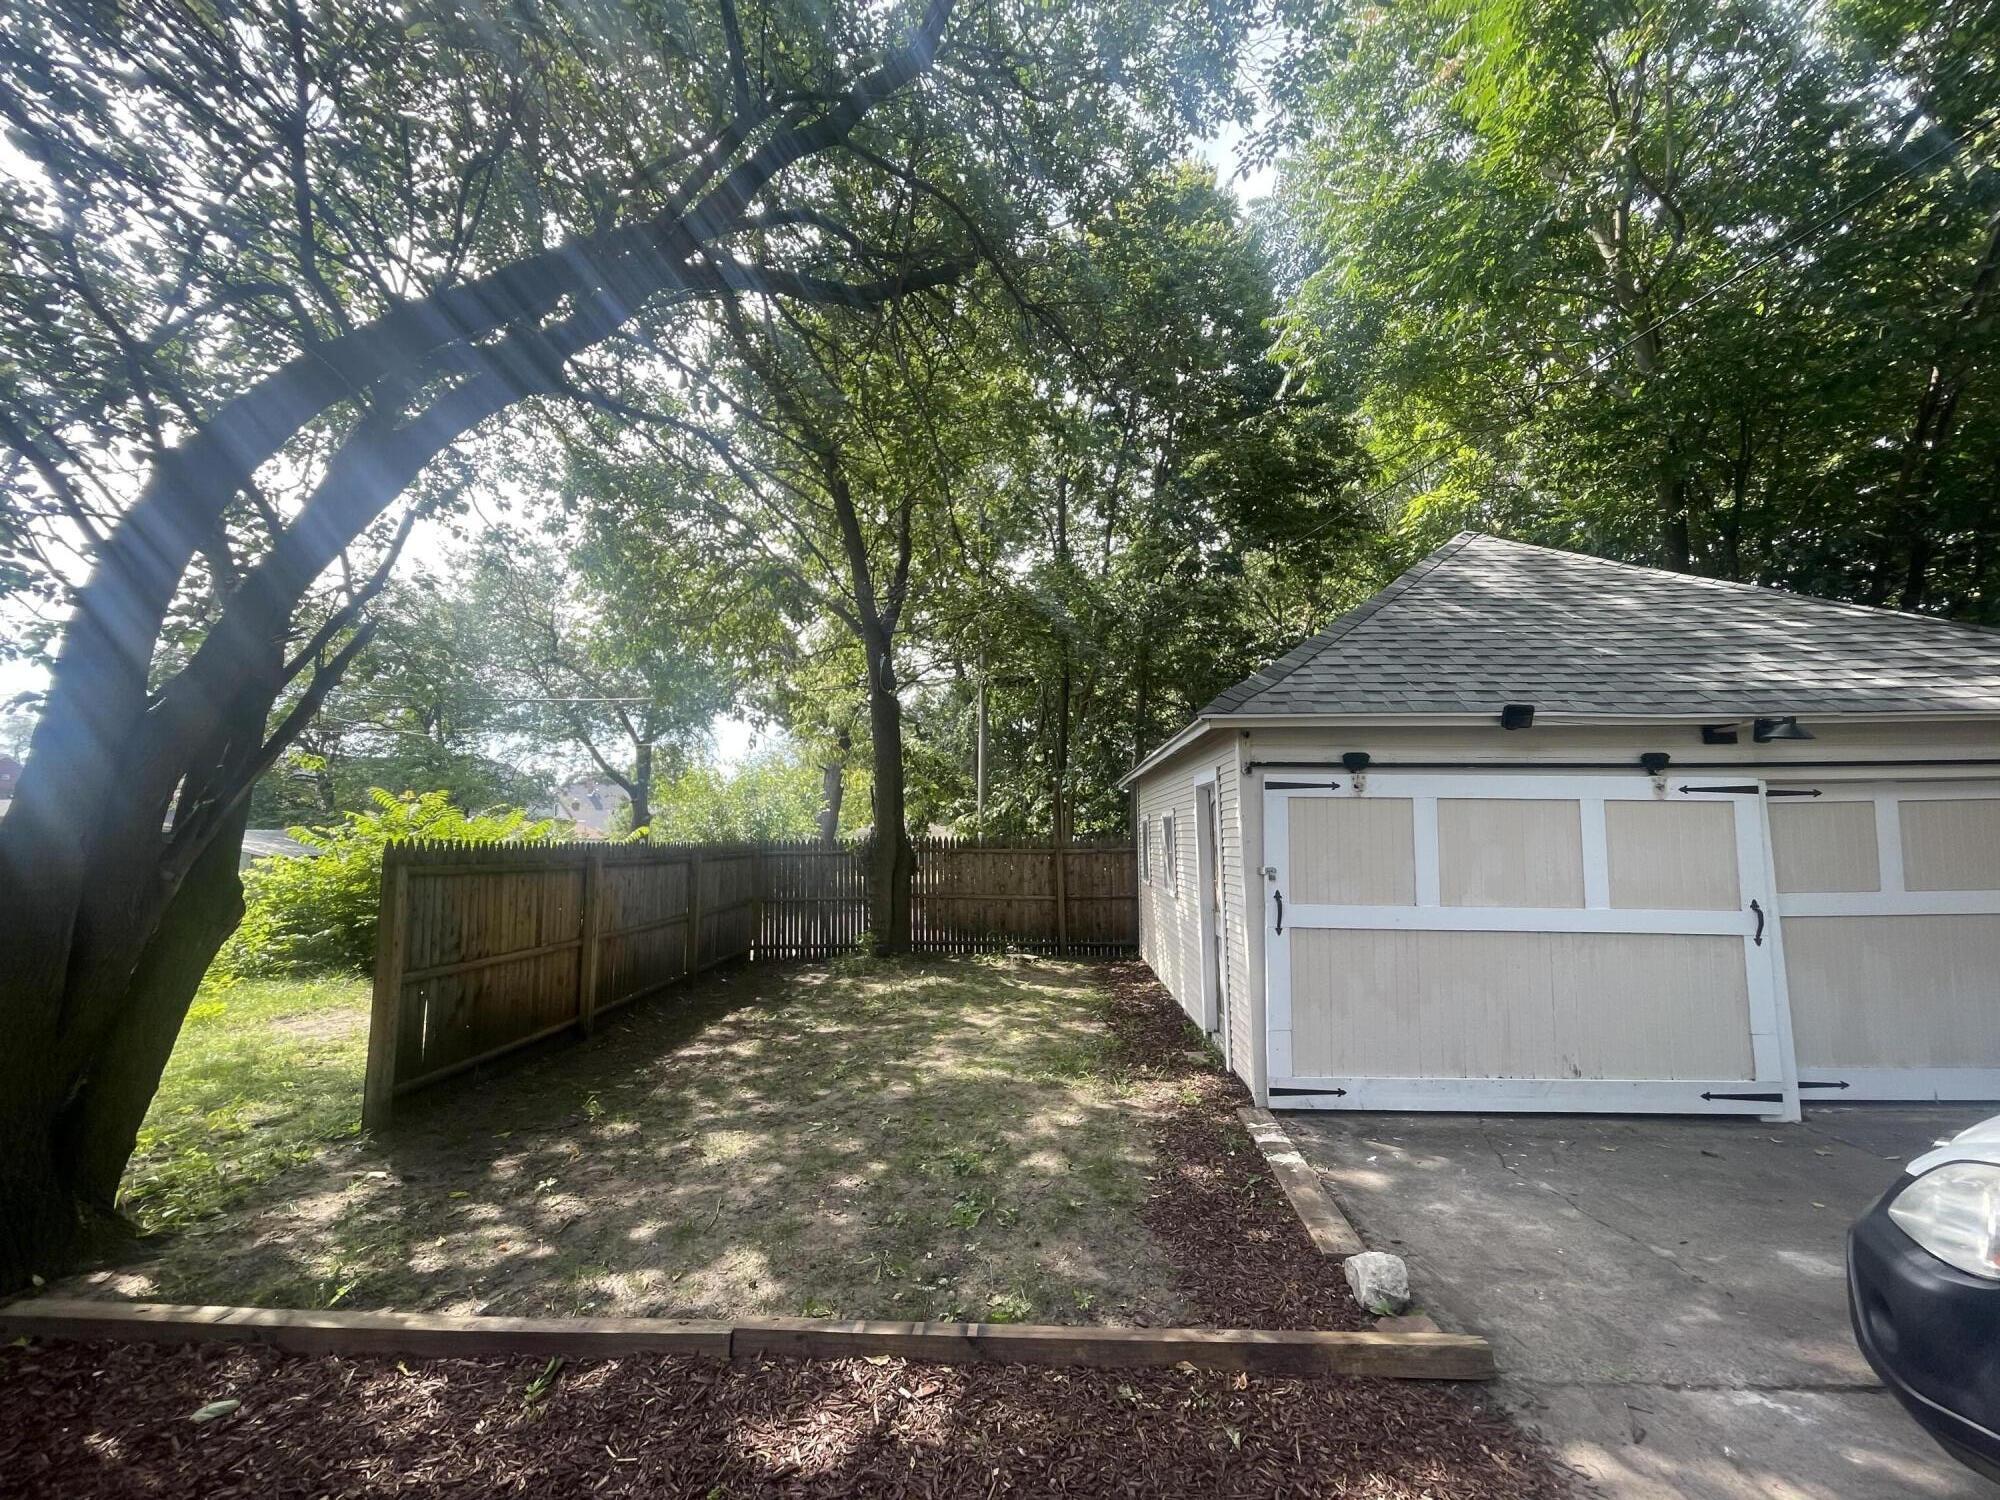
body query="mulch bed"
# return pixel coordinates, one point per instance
(114, 1420)
(1245, 1260)
(104, 1419)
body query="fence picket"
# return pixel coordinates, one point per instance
(486, 948)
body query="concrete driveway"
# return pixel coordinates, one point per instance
(1665, 1297)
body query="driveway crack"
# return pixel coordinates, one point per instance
(1582, 1212)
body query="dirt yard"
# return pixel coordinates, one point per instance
(925, 1140)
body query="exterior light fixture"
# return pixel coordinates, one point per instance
(1356, 762)
(1786, 728)
(1655, 762)
(1516, 715)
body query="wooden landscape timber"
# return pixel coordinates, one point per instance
(1329, 1229)
(1403, 1356)
(485, 949)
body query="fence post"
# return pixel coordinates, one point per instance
(593, 927)
(385, 1020)
(1062, 898)
(694, 913)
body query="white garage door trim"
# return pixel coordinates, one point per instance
(1843, 1082)
(1771, 1091)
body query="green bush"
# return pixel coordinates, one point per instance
(315, 913)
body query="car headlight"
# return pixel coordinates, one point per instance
(1953, 1211)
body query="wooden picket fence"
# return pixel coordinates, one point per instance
(484, 949)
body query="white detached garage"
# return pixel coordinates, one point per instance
(1534, 831)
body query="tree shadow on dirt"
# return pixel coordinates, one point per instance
(927, 1139)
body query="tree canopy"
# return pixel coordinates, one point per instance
(1706, 286)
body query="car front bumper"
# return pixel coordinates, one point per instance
(1931, 1332)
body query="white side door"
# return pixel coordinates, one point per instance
(1511, 942)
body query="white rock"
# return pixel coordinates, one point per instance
(1380, 1281)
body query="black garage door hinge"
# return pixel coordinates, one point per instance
(1301, 786)
(1843, 1083)
(1792, 791)
(1753, 1098)
(1331, 1093)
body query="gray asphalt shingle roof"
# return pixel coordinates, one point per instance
(1482, 622)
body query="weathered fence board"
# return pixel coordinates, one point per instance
(486, 948)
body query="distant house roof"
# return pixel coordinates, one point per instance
(265, 843)
(1481, 622)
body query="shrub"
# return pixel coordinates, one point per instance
(319, 912)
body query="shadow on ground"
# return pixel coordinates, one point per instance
(919, 1140)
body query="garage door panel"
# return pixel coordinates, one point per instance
(1894, 983)
(1510, 851)
(1895, 991)
(1398, 1004)
(1656, 1005)
(1825, 846)
(1672, 856)
(1356, 852)
(1553, 942)
(1951, 845)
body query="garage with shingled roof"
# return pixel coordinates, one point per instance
(1532, 830)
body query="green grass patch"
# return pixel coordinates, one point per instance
(265, 1071)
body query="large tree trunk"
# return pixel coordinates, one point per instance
(833, 791)
(891, 859)
(104, 1121)
(68, 1138)
(641, 788)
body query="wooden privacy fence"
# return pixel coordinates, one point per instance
(486, 948)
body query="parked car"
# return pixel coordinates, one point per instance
(1923, 1288)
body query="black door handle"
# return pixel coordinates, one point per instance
(1758, 939)
(1280, 897)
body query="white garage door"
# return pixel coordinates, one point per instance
(1890, 895)
(1515, 942)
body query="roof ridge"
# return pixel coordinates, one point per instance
(1768, 590)
(1269, 676)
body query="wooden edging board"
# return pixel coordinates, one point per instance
(1329, 1228)
(1410, 1356)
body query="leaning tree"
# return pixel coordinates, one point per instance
(264, 266)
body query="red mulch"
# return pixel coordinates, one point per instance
(1243, 1256)
(92, 1420)
(108, 1419)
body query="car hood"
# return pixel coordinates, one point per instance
(1979, 1142)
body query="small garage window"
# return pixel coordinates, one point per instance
(1170, 861)
(1145, 851)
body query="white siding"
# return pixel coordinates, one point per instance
(1170, 916)
(1244, 998)
(1169, 913)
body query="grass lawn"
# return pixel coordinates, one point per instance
(942, 1139)
(264, 1072)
